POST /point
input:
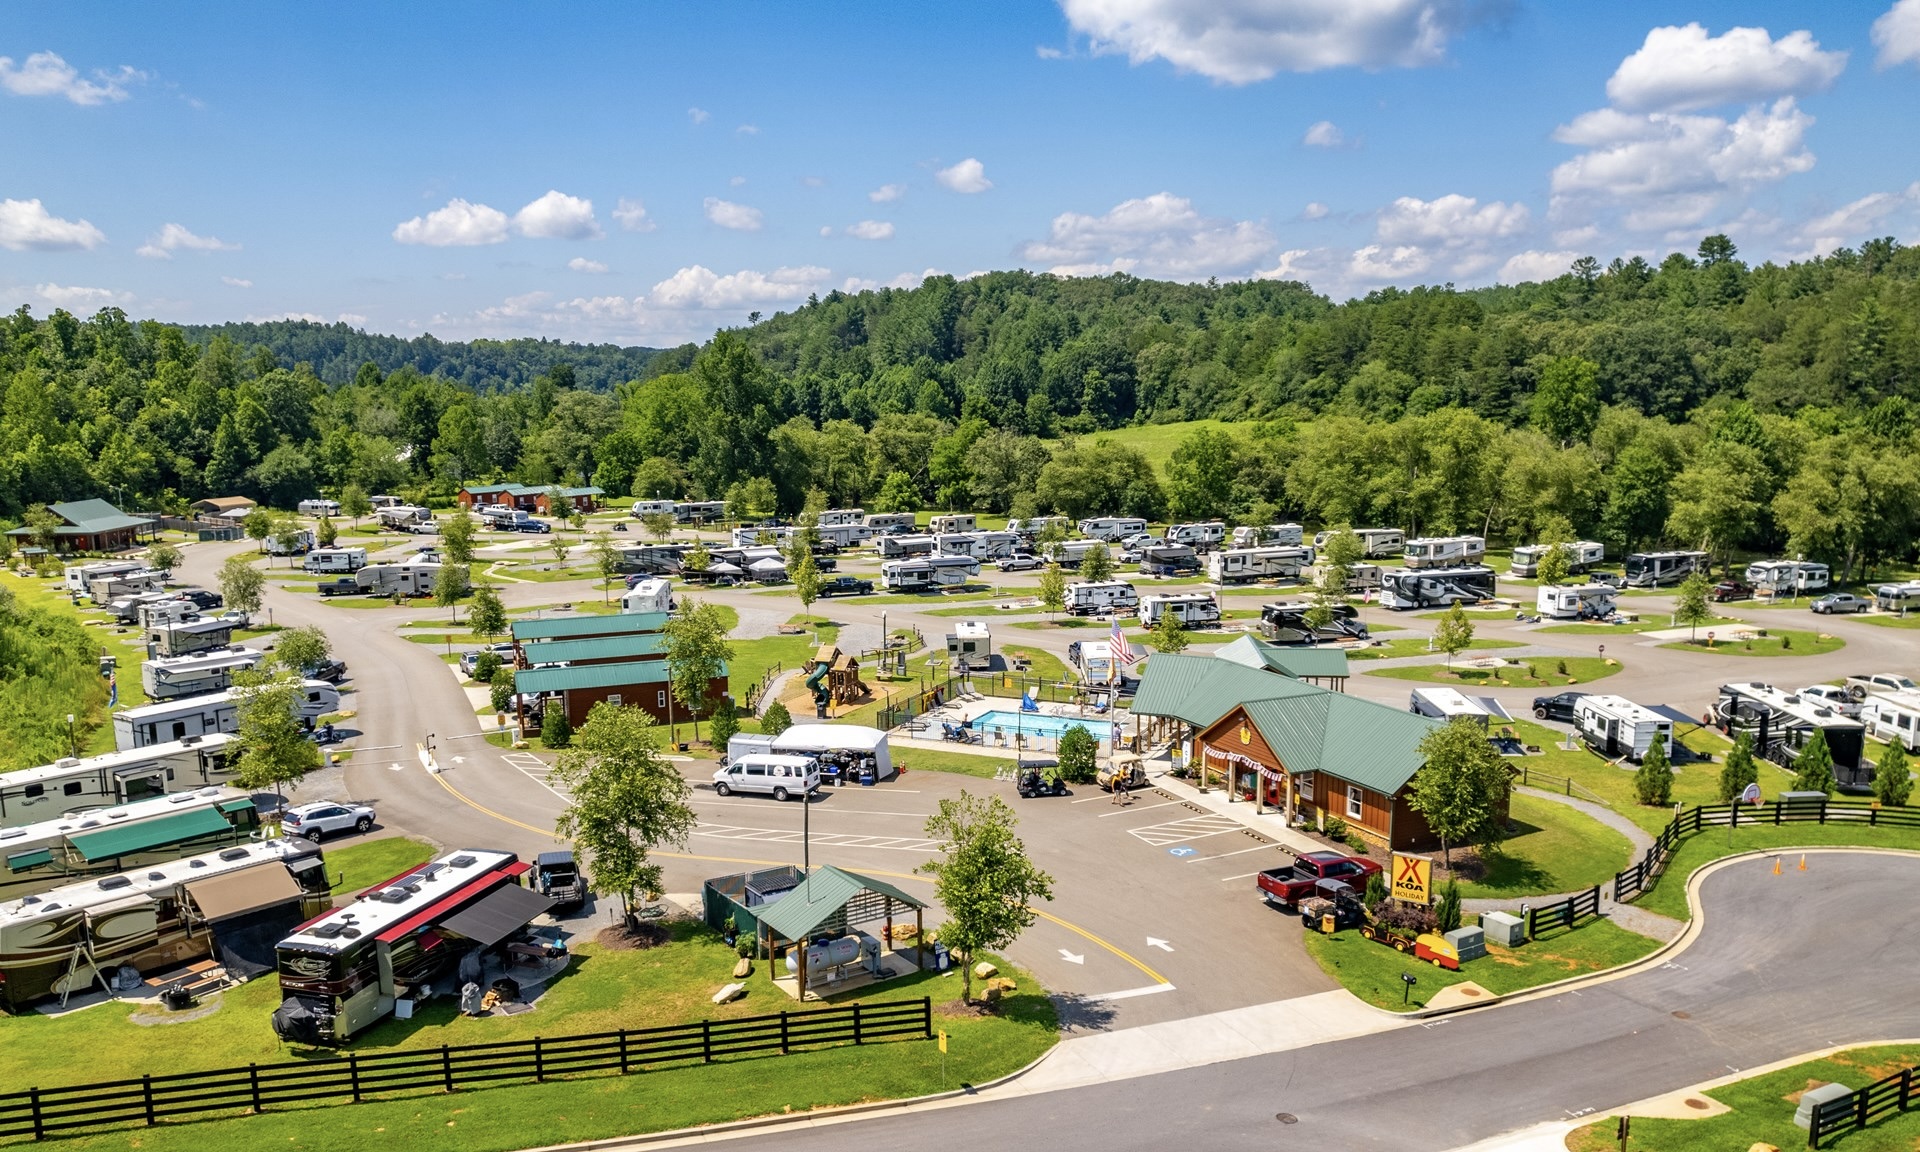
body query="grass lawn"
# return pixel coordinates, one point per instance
(1043, 665)
(1156, 442)
(362, 865)
(752, 658)
(958, 763)
(1777, 642)
(1669, 895)
(1694, 783)
(94, 732)
(1763, 1111)
(602, 991)
(1888, 620)
(1530, 672)
(1645, 624)
(1417, 646)
(1372, 971)
(1553, 848)
(1059, 622)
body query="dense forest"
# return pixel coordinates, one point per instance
(335, 352)
(1699, 401)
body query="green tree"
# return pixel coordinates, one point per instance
(1169, 634)
(1739, 769)
(1053, 589)
(556, 731)
(46, 526)
(1334, 574)
(697, 654)
(1454, 634)
(298, 649)
(325, 531)
(355, 503)
(806, 578)
(659, 525)
(163, 557)
(500, 689)
(624, 800)
(897, 494)
(274, 749)
(1200, 475)
(985, 880)
(1690, 603)
(1892, 782)
(1096, 566)
(1813, 768)
(456, 537)
(1078, 752)
(487, 616)
(242, 585)
(1446, 912)
(698, 558)
(1461, 788)
(557, 544)
(1566, 402)
(775, 720)
(258, 525)
(450, 586)
(1653, 781)
(725, 723)
(288, 536)
(1556, 564)
(606, 561)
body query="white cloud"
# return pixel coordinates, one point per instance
(1574, 237)
(698, 115)
(1244, 41)
(1679, 69)
(1897, 34)
(27, 224)
(904, 280)
(969, 176)
(1300, 264)
(727, 214)
(235, 282)
(459, 224)
(582, 264)
(1536, 266)
(1857, 221)
(1325, 134)
(887, 192)
(46, 74)
(1046, 53)
(1376, 262)
(871, 230)
(736, 181)
(66, 296)
(1157, 236)
(558, 216)
(747, 130)
(1450, 221)
(353, 319)
(1314, 211)
(173, 237)
(826, 230)
(632, 215)
(700, 287)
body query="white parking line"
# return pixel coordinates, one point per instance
(1130, 809)
(1242, 876)
(823, 839)
(1224, 855)
(1130, 993)
(1181, 831)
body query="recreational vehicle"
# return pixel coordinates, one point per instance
(1444, 551)
(756, 535)
(1112, 528)
(1615, 726)
(1033, 526)
(650, 595)
(1287, 624)
(1901, 598)
(335, 560)
(99, 841)
(979, 545)
(889, 523)
(1893, 716)
(970, 645)
(1072, 553)
(1090, 599)
(1654, 569)
(343, 973)
(505, 518)
(159, 917)
(953, 522)
(379, 502)
(1452, 704)
(837, 517)
(1271, 562)
(189, 636)
(1192, 609)
(652, 508)
(900, 547)
(318, 507)
(654, 559)
(928, 573)
(107, 589)
(150, 614)
(1093, 659)
(403, 517)
(1794, 576)
(1580, 557)
(699, 511)
(1198, 536)
(126, 610)
(1404, 588)
(408, 578)
(1375, 543)
(1249, 535)
(80, 577)
(1782, 723)
(74, 785)
(1576, 601)
(1169, 560)
(173, 677)
(1361, 578)
(171, 720)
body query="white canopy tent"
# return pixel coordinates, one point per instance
(857, 738)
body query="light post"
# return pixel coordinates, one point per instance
(71, 742)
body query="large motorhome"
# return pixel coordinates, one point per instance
(159, 917)
(834, 517)
(1783, 722)
(953, 522)
(1198, 536)
(1404, 588)
(189, 636)
(888, 523)
(64, 849)
(1576, 601)
(1375, 543)
(171, 720)
(1269, 562)
(1444, 551)
(1091, 599)
(80, 577)
(979, 545)
(1286, 623)
(1615, 726)
(172, 677)
(1654, 569)
(1796, 576)
(1192, 609)
(653, 559)
(408, 578)
(1169, 560)
(928, 573)
(73, 784)
(1250, 535)
(342, 973)
(1580, 557)
(901, 547)
(404, 517)
(1900, 598)
(1112, 529)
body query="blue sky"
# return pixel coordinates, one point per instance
(644, 173)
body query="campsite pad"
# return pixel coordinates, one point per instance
(513, 1009)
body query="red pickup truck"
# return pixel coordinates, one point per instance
(1289, 885)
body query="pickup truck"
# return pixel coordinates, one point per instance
(1860, 687)
(339, 586)
(845, 586)
(1286, 887)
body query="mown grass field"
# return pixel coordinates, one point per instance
(1552, 848)
(1529, 672)
(1777, 642)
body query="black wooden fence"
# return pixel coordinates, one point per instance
(1639, 876)
(39, 1112)
(1565, 913)
(1859, 1109)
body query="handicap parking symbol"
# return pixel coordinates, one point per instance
(1183, 851)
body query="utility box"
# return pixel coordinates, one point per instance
(1503, 928)
(1814, 1097)
(1470, 943)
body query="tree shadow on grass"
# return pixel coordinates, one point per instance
(1501, 871)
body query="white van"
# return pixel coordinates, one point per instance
(771, 775)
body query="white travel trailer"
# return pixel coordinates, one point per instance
(953, 522)
(1073, 553)
(295, 543)
(1580, 557)
(1653, 569)
(1794, 576)
(408, 578)
(171, 720)
(1090, 599)
(379, 502)
(189, 636)
(1198, 536)
(1404, 588)
(899, 547)
(1893, 716)
(1033, 526)
(1249, 535)
(970, 645)
(1901, 598)
(1576, 601)
(1375, 543)
(1095, 661)
(879, 523)
(107, 589)
(1452, 704)
(174, 677)
(1112, 528)
(699, 511)
(335, 560)
(80, 577)
(928, 573)
(834, 517)
(979, 545)
(1272, 562)
(318, 507)
(753, 536)
(64, 848)
(650, 595)
(1192, 609)
(74, 784)
(1169, 560)
(403, 517)
(652, 508)
(168, 610)
(1615, 726)
(1444, 551)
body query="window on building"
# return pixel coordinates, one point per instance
(662, 701)
(613, 698)
(1305, 785)
(1354, 808)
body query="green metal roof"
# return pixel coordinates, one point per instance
(579, 676)
(574, 627)
(1201, 689)
(1373, 745)
(1252, 652)
(87, 518)
(819, 899)
(595, 648)
(107, 843)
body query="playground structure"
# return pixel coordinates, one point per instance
(891, 660)
(833, 679)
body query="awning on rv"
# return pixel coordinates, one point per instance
(498, 915)
(1669, 712)
(107, 843)
(30, 859)
(1493, 707)
(238, 893)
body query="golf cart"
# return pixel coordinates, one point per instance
(1039, 778)
(1127, 768)
(556, 874)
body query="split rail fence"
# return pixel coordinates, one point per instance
(1639, 876)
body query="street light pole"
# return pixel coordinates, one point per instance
(71, 742)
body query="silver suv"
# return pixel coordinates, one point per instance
(324, 818)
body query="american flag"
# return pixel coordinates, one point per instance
(1123, 656)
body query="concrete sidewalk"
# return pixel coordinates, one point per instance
(1272, 824)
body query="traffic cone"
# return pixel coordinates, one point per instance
(1803, 861)
(1776, 865)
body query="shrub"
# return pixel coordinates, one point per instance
(1786, 641)
(1892, 783)
(775, 720)
(486, 666)
(1406, 919)
(1446, 914)
(1653, 783)
(1560, 667)
(556, 731)
(725, 722)
(501, 688)
(1078, 750)
(1376, 891)
(1739, 770)
(1335, 829)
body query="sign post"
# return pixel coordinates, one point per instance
(1412, 879)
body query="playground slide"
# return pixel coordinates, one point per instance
(815, 679)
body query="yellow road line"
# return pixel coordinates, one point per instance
(1047, 916)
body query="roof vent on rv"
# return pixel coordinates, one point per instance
(326, 931)
(234, 854)
(196, 863)
(1823, 711)
(189, 740)
(109, 883)
(156, 876)
(461, 861)
(349, 932)
(12, 833)
(89, 823)
(66, 762)
(1795, 699)
(117, 815)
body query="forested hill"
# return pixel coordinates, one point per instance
(336, 353)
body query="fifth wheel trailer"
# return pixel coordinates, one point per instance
(204, 715)
(1405, 588)
(71, 785)
(1782, 723)
(101, 841)
(1375, 543)
(172, 677)
(1238, 565)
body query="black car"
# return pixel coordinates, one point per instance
(1555, 707)
(845, 586)
(201, 598)
(339, 586)
(332, 671)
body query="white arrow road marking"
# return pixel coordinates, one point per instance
(1071, 958)
(459, 759)
(1153, 942)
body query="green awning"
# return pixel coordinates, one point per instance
(108, 843)
(243, 804)
(30, 859)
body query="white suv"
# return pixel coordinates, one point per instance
(325, 817)
(776, 776)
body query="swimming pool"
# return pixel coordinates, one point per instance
(1037, 724)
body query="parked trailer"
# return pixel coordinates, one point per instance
(170, 720)
(1169, 560)
(1782, 723)
(928, 573)
(1070, 554)
(1655, 569)
(699, 511)
(1893, 716)
(335, 560)
(1199, 536)
(100, 841)
(1615, 726)
(160, 917)
(165, 610)
(1286, 623)
(1274, 562)
(318, 507)
(979, 545)
(1192, 609)
(1787, 576)
(953, 522)
(174, 677)
(1375, 543)
(74, 784)
(650, 595)
(836, 517)
(107, 589)
(654, 559)
(1444, 551)
(404, 517)
(409, 578)
(901, 547)
(1033, 526)
(80, 577)
(889, 523)
(1361, 578)
(126, 610)
(1251, 535)
(1580, 557)
(1094, 660)
(1112, 529)
(189, 636)
(1452, 704)
(1094, 599)
(1901, 598)
(652, 508)
(1576, 602)
(970, 645)
(1404, 588)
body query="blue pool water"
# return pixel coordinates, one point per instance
(1034, 724)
